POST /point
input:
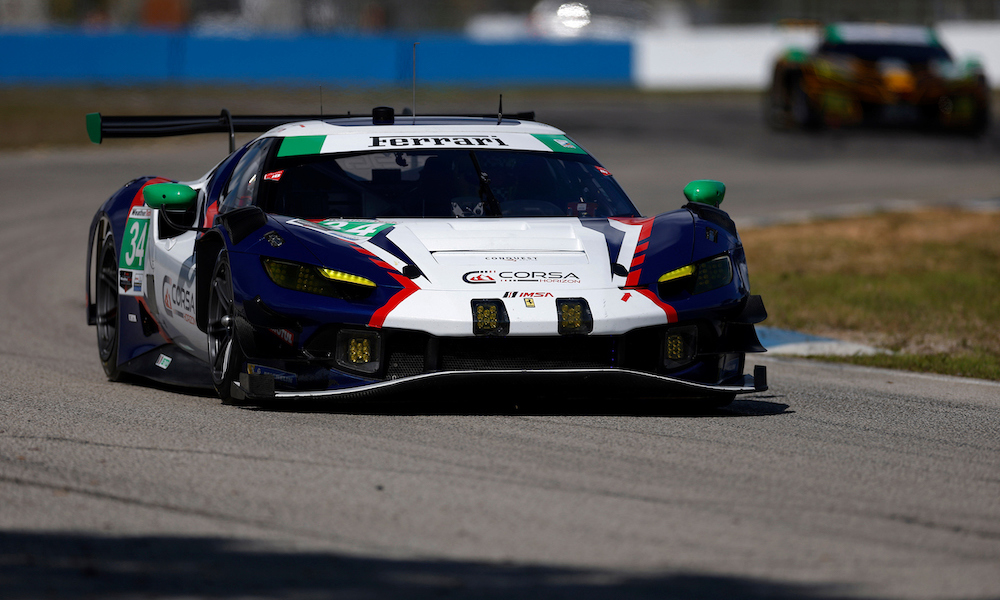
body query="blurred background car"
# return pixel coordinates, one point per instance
(874, 73)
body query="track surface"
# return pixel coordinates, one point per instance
(838, 482)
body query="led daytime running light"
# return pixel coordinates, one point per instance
(346, 277)
(677, 273)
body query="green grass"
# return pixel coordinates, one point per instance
(925, 286)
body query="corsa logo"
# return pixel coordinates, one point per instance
(520, 276)
(478, 277)
(177, 298)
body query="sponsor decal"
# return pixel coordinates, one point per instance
(275, 176)
(529, 302)
(132, 318)
(520, 276)
(512, 258)
(478, 277)
(164, 361)
(711, 235)
(603, 171)
(348, 142)
(441, 142)
(626, 297)
(528, 295)
(178, 298)
(285, 335)
(274, 239)
(125, 280)
(279, 375)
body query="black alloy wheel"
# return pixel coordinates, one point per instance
(224, 351)
(107, 308)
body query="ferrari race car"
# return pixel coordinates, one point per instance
(347, 256)
(877, 74)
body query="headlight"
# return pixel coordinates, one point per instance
(697, 278)
(318, 280)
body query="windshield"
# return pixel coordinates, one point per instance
(912, 54)
(442, 183)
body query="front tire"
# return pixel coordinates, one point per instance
(108, 308)
(225, 353)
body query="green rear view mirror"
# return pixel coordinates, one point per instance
(705, 191)
(169, 196)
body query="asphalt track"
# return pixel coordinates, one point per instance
(839, 482)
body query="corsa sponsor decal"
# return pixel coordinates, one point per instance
(178, 299)
(491, 276)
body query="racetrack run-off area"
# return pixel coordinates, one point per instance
(838, 482)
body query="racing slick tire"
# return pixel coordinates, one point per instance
(106, 296)
(225, 352)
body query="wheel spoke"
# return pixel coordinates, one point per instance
(108, 279)
(225, 297)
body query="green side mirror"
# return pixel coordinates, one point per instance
(169, 196)
(705, 191)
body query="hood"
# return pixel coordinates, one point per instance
(533, 254)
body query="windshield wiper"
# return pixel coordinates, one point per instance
(485, 191)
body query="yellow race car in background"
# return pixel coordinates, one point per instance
(878, 74)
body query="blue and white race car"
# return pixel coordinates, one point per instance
(344, 257)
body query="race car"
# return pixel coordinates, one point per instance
(878, 74)
(347, 257)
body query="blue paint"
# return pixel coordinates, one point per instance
(128, 57)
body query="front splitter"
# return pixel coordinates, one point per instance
(621, 382)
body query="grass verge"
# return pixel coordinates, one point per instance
(925, 285)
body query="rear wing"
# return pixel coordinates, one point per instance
(100, 127)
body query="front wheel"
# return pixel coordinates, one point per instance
(108, 308)
(225, 354)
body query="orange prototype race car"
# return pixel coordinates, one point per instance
(878, 74)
